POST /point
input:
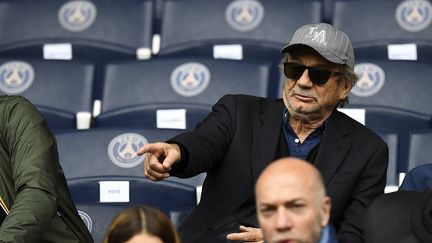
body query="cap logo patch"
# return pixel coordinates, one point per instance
(318, 36)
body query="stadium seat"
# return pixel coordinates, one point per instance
(396, 95)
(58, 89)
(110, 152)
(133, 92)
(99, 199)
(392, 140)
(385, 22)
(193, 27)
(98, 29)
(98, 217)
(419, 148)
(393, 84)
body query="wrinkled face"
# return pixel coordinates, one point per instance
(292, 211)
(144, 238)
(310, 101)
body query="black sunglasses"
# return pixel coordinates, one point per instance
(318, 76)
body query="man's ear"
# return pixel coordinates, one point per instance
(326, 207)
(345, 87)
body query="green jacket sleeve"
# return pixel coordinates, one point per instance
(32, 152)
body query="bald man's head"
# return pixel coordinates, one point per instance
(291, 201)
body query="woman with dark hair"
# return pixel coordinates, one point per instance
(141, 224)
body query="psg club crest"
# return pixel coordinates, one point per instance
(190, 79)
(414, 15)
(86, 219)
(244, 15)
(371, 79)
(123, 148)
(76, 16)
(16, 77)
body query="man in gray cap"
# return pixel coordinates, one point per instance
(243, 134)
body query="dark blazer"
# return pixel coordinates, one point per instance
(242, 135)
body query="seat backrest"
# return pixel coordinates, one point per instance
(384, 21)
(97, 29)
(164, 195)
(106, 152)
(133, 91)
(401, 122)
(393, 84)
(98, 202)
(194, 26)
(98, 217)
(392, 139)
(396, 95)
(58, 89)
(419, 148)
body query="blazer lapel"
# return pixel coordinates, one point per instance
(333, 148)
(266, 134)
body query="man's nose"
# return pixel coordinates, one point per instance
(283, 219)
(304, 79)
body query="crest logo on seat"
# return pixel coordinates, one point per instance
(76, 16)
(16, 77)
(123, 148)
(414, 15)
(371, 79)
(190, 79)
(244, 15)
(86, 219)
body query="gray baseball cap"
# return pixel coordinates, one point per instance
(334, 45)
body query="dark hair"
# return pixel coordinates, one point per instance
(142, 219)
(348, 77)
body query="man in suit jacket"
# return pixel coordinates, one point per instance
(243, 134)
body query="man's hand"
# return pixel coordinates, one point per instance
(247, 234)
(160, 158)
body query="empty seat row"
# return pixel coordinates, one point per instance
(103, 29)
(99, 199)
(131, 92)
(105, 175)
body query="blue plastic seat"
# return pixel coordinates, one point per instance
(395, 95)
(261, 27)
(98, 213)
(58, 89)
(385, 22)
(98, 29)
(392, 140)
(133, 92)
(110, 152)
(419, 148)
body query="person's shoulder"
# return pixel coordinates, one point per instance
(12, 100)
(357, 128)
(17, 106)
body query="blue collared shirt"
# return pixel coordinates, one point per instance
(296, 148)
